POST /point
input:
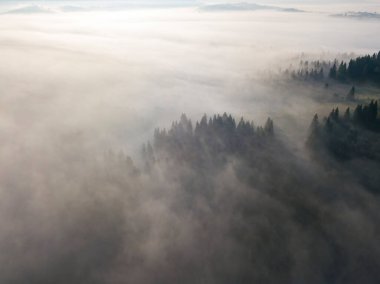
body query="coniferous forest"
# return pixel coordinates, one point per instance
(227, 201)
(363, 69)
(345, 149)
(359, 70)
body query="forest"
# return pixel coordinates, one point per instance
(359, 70)
(265, 172)
(363, 69)
(221, 200)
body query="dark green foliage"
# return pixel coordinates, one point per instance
(268, 129)
(362, 69)
(347, 115)
(366, 116)
(314, 131)
(342, 70)
(353, 140)
(256, 213)
(350, 138)
(333, 72)
(215, 137)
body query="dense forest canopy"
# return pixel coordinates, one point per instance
(204, 159)
(363, 69)
(350, 137)
(216, 201)
(219, 135)
(354, 133)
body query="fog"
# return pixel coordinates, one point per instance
(81, 90)
(118, 75)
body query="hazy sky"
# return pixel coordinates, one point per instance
(109, 70)
(196, 2)
(120, 75)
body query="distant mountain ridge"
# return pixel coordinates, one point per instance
(358, 15)
(244, 6)
(30, 9)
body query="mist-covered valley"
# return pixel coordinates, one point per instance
(173, 144)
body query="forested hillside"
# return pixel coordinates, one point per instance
(360, 70)
(353, 139)
(265, 205)
(364, 69)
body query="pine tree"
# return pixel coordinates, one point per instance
(333, 71)
(351, 94)
(342, 70)
(268, 128)
(314, 132)
(347, 114)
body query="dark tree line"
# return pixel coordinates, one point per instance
(246, 188)
(212, 139)
(221, 201)
(348, 135)
(362, 69)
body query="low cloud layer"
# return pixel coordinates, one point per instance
(119, 75)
